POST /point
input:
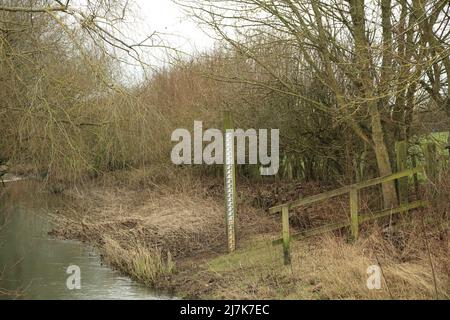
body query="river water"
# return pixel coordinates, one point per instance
(34, 266)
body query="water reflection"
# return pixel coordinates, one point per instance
(33, 266)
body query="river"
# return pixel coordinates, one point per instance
(34, 266)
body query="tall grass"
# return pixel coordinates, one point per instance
(141, 262)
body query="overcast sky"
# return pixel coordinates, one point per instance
(167, 17)
(177, 30)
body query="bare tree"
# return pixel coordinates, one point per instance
(374, 56)
(63, 106)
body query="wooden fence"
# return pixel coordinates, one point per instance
(355, 218)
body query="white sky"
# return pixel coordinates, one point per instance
(181, 31)
(177, 30)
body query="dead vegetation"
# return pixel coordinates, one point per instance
(170, 234)
(340, 95)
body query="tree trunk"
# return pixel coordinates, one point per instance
(382, 155)
(365, 74)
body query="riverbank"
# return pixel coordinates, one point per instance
(35, 266)
(166, 229)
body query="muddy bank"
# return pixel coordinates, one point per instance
(34, 265)
(169, 233)
(172, 229)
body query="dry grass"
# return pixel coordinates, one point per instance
(141, 262)
(339, 271)
(178, 224)
(171, 208)
(148, 221)
(324, 268)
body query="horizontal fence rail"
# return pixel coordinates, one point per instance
(355, 219)
(346, 189)
(346, 223)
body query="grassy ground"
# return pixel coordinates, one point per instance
(166, 229)
(332, 269)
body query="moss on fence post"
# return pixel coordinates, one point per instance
(286, 235)
(354, 213)
(402, 154)
(429, 151)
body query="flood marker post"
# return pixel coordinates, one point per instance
(230, 181)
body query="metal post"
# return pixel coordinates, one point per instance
(230, 181)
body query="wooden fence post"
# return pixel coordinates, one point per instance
(286, 235)
(355, 218)
(402, 154)
(429, 151)
(354, 213)
(415, 178)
